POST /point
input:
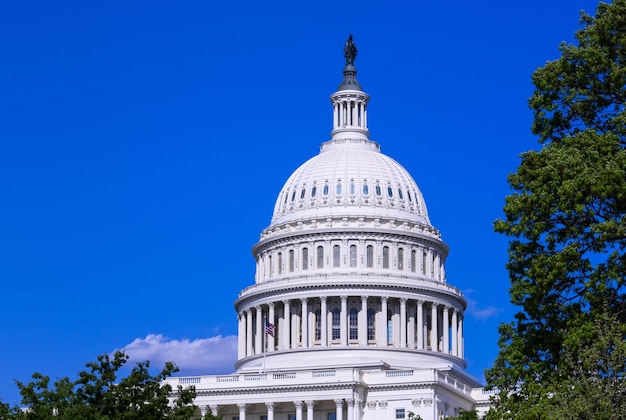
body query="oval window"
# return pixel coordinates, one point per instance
(389, 192)
(338, 189)
(352, 188)
(378, 192)
(408, 194)
(313, 191)
(366, 190)
(400, 194)
(302, 193)
(293, 195)
(325, 191)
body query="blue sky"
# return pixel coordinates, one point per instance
(143, 143)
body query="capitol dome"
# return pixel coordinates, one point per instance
(350, 312)
(350, 176)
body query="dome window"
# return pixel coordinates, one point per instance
(305, 259)
(408, 194)
(378, 191)
(302, 193)
(338, 189)
(385, 257)
(293, 195)
(352, 188)
(390, 192)
(400, 194)
(366, 189)
(313, 191)
(325, 190)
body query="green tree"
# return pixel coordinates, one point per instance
(97, 394)
(563, 355)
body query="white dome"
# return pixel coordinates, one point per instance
(350, 177)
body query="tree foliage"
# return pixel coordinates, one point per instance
(97, 394)
(564, 353)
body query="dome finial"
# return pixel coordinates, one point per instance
(349, 51)
(349, 71)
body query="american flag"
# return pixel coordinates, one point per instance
(269, 328)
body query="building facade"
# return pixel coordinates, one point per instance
(351, 315)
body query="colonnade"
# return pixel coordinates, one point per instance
(350, 110)
(365, 321)
(351, 407)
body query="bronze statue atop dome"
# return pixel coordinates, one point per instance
(349, 51)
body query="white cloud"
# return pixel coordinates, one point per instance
(480, 314)
(213, 355)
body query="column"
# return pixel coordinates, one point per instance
(343, 319)
(258, 343)
(286, 325)
(241, 331)
(242, 410)
(461, 342)
(455, 333)
(249, 332)
(382, 408)
(215, 409)
(271, 340)
(305, 322)
(270, 410)
(363, 322)
(299, 405)
(350, 403)
(309, 410)
(420, 324)
(339, 412)
(446, 330)
(324, 315)
(382, 331)
(434, 340)
(403, 322)
(410, 335)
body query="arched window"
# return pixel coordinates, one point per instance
(352, 255)
(302, 193)
(336, 324)
(336, 256)
(366, 190)
(320, 257)
(385, 257)
(389, 327)
(377, 189)
(305, 259)
(400, 194)
(338, 188)
(325, 189)
(352, 188)
(318, 325)
(269, 262)
(390, 191)
(291, 261)
(313, 191)
(413, 261)
(353, 323)
(400, 259)
(280, 263)
(371, 324)
(370, 256)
